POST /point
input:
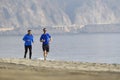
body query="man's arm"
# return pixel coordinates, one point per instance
(24, 38)
(41, 39)
(32, 39)
(51, 39)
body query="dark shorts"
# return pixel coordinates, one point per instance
(45, 47)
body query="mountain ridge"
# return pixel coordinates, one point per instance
(25, 14)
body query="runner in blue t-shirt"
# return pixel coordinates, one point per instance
(45, 39)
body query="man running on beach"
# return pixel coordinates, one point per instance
(28, 38)
(45, 39)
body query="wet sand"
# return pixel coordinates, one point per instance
(25, 69)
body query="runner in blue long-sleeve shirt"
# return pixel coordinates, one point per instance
(28, 38)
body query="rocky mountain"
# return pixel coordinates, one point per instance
(24, 14)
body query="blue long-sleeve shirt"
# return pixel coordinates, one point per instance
(28, 38)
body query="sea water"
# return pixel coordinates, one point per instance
(84, 47)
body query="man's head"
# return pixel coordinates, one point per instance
(44, 30)
(29, 31)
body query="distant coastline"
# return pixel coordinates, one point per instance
(71, 29)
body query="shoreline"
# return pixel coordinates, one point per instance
(69, 65)
(25, 69)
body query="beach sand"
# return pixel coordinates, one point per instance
(25, 69)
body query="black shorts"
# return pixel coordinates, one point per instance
(45, 47)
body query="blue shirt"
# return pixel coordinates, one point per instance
(46, 37)
(28, 39)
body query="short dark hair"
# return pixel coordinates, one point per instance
(44, 28)
(29, 30)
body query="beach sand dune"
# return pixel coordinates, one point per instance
(25, 69)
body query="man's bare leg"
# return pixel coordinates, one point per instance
(45, 55)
